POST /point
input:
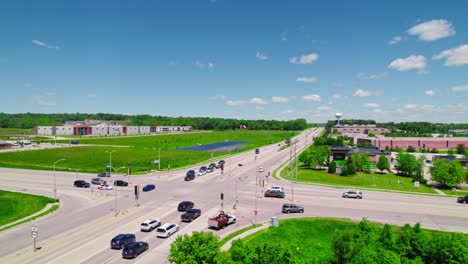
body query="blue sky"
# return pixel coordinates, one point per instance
(395, 61)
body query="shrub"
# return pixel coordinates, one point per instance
(332, 167)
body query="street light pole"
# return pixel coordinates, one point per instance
(115, 189)
(159, 159)
(110, 162)
(55, 181)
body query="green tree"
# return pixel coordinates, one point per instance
(344, 170)
(351, 169)
(461, 149)
(319, 155)
(359, 160)
(411, 149)
(451, 152)
(449, 174)
(332, 167)
(304, 157)
(383, 164)
(371, 134)
(408, 165)
(200, 247)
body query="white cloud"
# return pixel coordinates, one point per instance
(304, 59)
(43, 44)
(42, 101)
(307, 79)
(432, 30)
(201, 65)
(218, 97)
(261, 56)
(92, 95)
(259, 107)
(312, 97)
(361, 93)
(284, 35)
(371, 105)
(377, 110)
(289, 111)
(279, 99)
(460, 88)
(410, 106)
(413, 62)
(338, 96)
(454, 57)
(367, 76)
(395, 40)
(234, 103)
(258, 101)
(210, 65)
(429, 93)
(324, 108)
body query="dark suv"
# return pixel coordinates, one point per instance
(190, 175)
(275, 193)
(122, 240)
(184, 206)
(104, 174)
(82, 184)
(463, 199)
(120, 183)
(292, 208)
(134, 249)
(190, 215)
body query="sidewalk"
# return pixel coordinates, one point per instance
(47, 207)
(227, 245)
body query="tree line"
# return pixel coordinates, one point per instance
(30, 120)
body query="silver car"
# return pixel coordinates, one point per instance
(352, 194)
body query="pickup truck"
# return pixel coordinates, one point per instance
(222, 220)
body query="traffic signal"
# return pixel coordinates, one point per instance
(129, 172)
(222, 167)
(137, 189)
(222, 196)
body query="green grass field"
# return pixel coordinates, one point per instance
(137, 152)
(6, 133)
(14, 206)
(360, 180)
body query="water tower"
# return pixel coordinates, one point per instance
(338, 117)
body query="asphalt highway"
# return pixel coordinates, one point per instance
(81, 230)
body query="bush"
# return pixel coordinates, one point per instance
(434, 150)
(351, 169)
(332, 167)
(410, 149)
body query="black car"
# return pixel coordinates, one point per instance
(82, 184)
(184, 206)
(211, 167)
(104, 174)
(122, 240)
(220, 164)
(257, 151)
(463, 199)
(134, 249)
(149, 187)
(274, 193)
(190, 175)
(98, 181)
(190, 215)
(120, 183)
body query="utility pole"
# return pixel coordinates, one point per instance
(159, 159)
(290, 172)
(295, 155)
(55, 181)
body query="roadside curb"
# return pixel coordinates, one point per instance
(19, 221)
(228, 244)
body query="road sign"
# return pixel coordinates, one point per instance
(35, 227)
(34, 234)
(156, 161)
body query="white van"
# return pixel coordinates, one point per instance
(166, 230)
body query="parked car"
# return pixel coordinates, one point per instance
(120, 241)
(257, 151)
(220, 163)
(105, 187)
(167, 230)
(104, 174)
(120, 183)
(463, 199)
(202, 171)
(261, 169)
(98, 181)
(134, 249)
(150, 224)
(190, 175)
(149, 187)
(82, 184)
(211, 167)
(292, 208)
(352, 194)
(184, 206)
(274, 193)
(190, 215)
(221, 220)
(276, 188)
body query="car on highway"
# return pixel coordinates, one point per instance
(463, 199)
(81, 184)
(104, 174)
(190, 175)
(220, 164)
(150, 224)
(211, 167)
(292, 208)
(257, 151)
(98, 181)
(105, 187)
(166, 230)
(352, 194)
(202, 171)
(134, 249)
(149, 187)
(184, 206)
(276, 188)
(190, 215)
(120, 183)
(120, 241)
(274, 193)
(261, 169)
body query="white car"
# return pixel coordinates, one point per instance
(276, 188)
(352, 194)
(260, 169)
(150, 224)
(105, 187)
(166, 230)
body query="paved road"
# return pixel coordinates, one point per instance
(81, 230)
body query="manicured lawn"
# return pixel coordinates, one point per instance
(360, 180)
(6, 133)
(458, 192)
(14, 206)
(137, 152)
(238, 232)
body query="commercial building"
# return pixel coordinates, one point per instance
(360, 129)
(340, 154)
(417, 143)
(103, 130)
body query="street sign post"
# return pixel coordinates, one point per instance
(35, 234)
